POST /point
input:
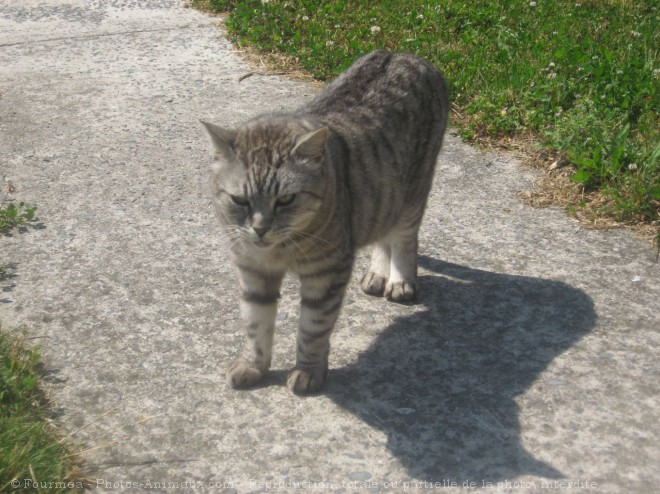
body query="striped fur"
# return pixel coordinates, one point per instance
(301, 192)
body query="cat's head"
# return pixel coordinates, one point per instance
(268, 179)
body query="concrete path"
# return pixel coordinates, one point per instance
(531, 360)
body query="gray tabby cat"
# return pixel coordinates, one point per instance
(300, 192)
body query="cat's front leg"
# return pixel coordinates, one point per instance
(259, 294)
(320, 306)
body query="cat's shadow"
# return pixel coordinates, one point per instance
(442, 383)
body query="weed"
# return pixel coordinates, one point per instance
(11, 214)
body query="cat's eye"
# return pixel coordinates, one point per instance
(241, 201)
(285, 200)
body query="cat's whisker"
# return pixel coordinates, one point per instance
(313, 249)
(232, 236)
(316, 237)
(292, 241)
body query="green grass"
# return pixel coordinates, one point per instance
(30, 450)
(583, 76)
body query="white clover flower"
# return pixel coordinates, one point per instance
(532, 4)
(329, 43)
(632, 166)
(375, 29)
(552, 75)
(305, 18)
(551, 64)
(636, 34)
(420, 16)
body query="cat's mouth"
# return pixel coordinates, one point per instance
(263, 244)
(269, 244)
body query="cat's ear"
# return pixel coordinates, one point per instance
(312, 144)
(222, 140)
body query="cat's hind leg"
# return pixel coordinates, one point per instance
(259, 294)
(402, 281)
(374, 281)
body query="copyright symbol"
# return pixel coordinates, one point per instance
(15, 483)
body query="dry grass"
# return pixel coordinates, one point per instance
(275, 64)
(554, 187)
(264, 63)
(593, 209)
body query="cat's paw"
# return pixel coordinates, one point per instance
(401, 292)
(373, 284)
(242, 375)
(302, 382)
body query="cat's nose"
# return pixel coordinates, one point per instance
(261, 230)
